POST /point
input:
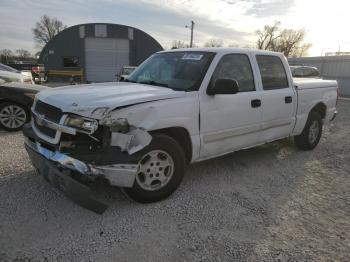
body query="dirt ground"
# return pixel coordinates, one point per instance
(270, 203)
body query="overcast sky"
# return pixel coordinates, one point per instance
(234, 21)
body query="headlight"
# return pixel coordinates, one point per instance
(83, 124)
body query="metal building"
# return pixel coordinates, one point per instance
(100, 50)
(330, 67)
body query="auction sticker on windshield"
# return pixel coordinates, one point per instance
(192, 57)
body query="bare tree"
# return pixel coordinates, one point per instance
(46, 29)
(6, 52)
(178, 44)
(214, 42)
(6, 55)
(287, 41)
(268, 36)
(21, 53)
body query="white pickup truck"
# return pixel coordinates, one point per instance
(177, 108)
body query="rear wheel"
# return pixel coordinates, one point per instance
(311, 134)
(12, 116)
(160, 172)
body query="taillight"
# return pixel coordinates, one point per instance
(35, 69)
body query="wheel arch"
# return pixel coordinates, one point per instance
(7, 100)
(181, 136)
(320, 108)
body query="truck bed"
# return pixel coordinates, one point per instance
(310, 83)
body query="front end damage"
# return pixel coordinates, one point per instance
(72, 151)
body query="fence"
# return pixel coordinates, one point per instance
(68, 73)
(330, 67)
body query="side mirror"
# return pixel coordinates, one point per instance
(224, 86)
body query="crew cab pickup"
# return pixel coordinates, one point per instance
(178, 107)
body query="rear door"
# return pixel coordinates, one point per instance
(278, 97)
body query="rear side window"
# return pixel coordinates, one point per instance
(236, 66)
(273, 74)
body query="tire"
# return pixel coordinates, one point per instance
(311, 134)
(161, 169)
(13, 116)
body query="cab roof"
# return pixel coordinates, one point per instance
(224, 50)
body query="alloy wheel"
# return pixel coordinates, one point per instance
(155, 170)
(314, 132)
(13, 116)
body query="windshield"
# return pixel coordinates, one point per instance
(176, 70)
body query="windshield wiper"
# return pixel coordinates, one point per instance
(127, 80)
(153, 83)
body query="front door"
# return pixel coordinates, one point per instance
(232, 121)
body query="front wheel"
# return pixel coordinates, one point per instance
(160, 172)
(311, 134)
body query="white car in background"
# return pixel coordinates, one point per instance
(125, 72)
(9, 74)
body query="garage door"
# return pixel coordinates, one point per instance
(104, 57)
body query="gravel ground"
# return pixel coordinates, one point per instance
(270, 203)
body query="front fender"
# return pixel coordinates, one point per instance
(177, 112)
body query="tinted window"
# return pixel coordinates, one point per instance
(235, 66)
(298, 72)
(315, 72)
(272, 72)
(70, 62)
(8, 68)
(27, 67)
(309, 72)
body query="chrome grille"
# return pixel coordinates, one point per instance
(43, 129)
(48, 111)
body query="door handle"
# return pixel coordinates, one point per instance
(288, 99)
(256, 103)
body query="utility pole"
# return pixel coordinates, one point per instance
(192, 26)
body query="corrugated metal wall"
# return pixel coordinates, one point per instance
(71, 43)
(330, 67)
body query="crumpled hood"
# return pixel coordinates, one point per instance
(85, 99)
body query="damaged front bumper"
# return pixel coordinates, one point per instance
(61, 170)
(122, 175)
